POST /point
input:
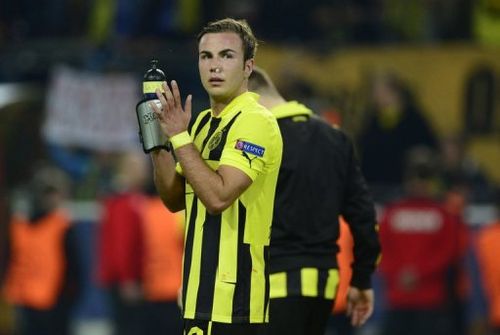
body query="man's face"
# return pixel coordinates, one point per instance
(223, 72)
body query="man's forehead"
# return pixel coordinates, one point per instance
(219, 41)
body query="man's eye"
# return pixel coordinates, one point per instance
(227, 56)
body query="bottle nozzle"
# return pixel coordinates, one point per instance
(154, 63)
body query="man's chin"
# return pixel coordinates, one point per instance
(218, 94)
(216, 90)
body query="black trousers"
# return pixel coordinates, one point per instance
(298, 316)
(202, 327)
(31, 321)
(161, 318)
(339, 324)
(127, 317)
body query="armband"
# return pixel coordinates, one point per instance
(180, 140)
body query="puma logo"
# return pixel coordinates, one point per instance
(248, 157)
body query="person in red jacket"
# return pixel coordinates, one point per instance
(120, 248)
(421, 244)
(140, 254)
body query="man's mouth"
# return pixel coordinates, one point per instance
(215, 80)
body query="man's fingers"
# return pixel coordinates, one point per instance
(368, 313)
(359, 305)
(356, 318)
(360, 315)
(171, 114)
(157, 110)
(161, 97)
(187, 106)
(169, 97)
(349, 308)
(176, 94)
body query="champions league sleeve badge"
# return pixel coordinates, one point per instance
(250, 148)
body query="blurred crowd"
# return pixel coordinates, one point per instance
(88, 221)
(321, 23)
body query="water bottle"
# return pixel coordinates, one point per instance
(150, 133)
(153, 79)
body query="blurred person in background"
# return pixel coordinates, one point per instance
(224, 174)
(422, 244)
(464, 184)
(140, 253)
(319, 180)
(487, 247)
(459, 277)
(121, 243)
(42, 274)
(395, 125)
(162, 268)
(461, 174)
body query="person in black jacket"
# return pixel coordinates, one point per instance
(319, 180)
(395, 124)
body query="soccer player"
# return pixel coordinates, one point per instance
(225, 179)
(319, 180)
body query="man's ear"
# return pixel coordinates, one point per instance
(248, 67)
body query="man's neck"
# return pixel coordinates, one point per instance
(218, 105)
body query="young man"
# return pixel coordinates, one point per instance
(225, 179)
(319, 180)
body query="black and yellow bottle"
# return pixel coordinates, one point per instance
(150, 133)
(153, 79)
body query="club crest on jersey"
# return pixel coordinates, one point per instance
(215, 141)
(250, 148)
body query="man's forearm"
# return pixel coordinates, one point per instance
(169, 184)
(209, 185)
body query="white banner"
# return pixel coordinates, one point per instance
(94, 111)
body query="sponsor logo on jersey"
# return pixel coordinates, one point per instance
(250, 148)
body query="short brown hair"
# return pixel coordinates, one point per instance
(259, 81)
(239, 27)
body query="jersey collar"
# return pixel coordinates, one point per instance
(241, 99)
(291, 108)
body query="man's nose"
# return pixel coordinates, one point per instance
(215, 66)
